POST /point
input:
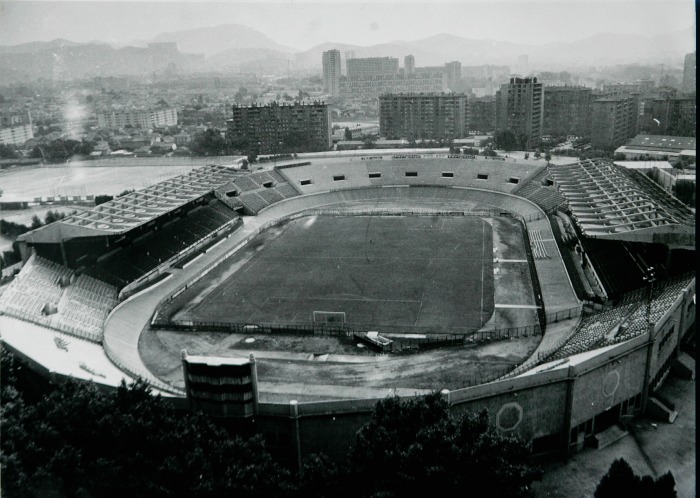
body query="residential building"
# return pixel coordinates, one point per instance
(409, 64)
(370, 87)
(519, 108)
(453, 74)
(661, 115)
(481, 113)
(16, 135)
(567, 111)
(277, 128)
(15, 129)
(613, 121)
(137, 118)
(372, 66)
(689, 73)
(423, 116)
(331, 72)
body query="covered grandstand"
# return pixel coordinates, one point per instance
(611, 202)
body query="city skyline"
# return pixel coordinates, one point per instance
(300, 26)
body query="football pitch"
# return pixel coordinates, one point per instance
(393, 274)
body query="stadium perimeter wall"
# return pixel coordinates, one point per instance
(554, 408)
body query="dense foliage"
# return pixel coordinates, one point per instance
(415, 448)
(620, 480)
(77, 440)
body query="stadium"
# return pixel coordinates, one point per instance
(295, 296)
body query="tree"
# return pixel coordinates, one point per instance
(416, 448)
(527, 155)
(80, 441)
(488, 152)
(685, 191)
(209, 143)
(505, 140)
(36, 222)
(547, 156)
(101, 199)
(620, 480)
(7, 152)
(348, 134)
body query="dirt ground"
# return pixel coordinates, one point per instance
(651, 448)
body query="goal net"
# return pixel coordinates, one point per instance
(329, 317)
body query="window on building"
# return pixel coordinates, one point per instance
(448, 174)
(375, 175)
(338, 178)
(514, 179)
(411, 173)
(306, 182)
(482, 176)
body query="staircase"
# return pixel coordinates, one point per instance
(608, 437)
(684, 367)
(658, 409)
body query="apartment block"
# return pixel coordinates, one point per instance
(277, 128)
(423, 116)
(519, 108)
(137, 118)
(613, 121)
(567, 111)
(331, 72)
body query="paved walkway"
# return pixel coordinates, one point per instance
(666, 446)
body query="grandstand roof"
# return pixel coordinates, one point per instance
(609, 201)
(124, 213)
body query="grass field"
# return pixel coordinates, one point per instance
(391, 274)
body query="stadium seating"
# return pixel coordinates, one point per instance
(253, 202)
(614, 264)
(592, 330)
(246, 183)
(133, 262)
(80, 308)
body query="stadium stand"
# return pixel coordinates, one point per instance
(592, 331)
(130, 264)
(568, 260)
(253, 202)
(612, 202)
(615, 264)
(665, 296)
(245, 183)
(476, 173)
(270, 195)
(43, 295)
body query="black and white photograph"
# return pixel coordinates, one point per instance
(304, 249)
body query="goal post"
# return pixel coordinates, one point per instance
(329, 318)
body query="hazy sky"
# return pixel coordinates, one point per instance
(302, 24)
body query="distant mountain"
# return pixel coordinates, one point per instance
(595, 50)
(216, 39)
(32, 47)
(61, 61)
(236, 48)
(236, 58)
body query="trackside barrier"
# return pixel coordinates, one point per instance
(139, 374)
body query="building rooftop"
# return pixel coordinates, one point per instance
(662, 142)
